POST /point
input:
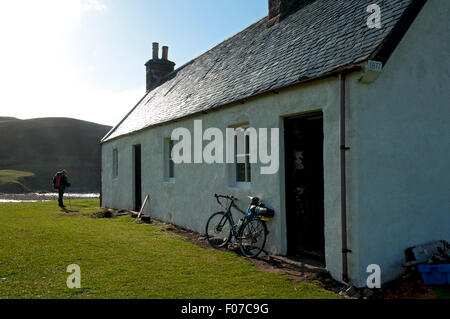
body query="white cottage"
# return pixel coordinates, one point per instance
(362, 106)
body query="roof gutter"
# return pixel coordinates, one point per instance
(101, 176)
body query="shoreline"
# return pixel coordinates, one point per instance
(37, 197)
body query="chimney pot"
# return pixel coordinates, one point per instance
(274, 8)
(157, 69)
(278, 9)
(155, 50)
(165, 52)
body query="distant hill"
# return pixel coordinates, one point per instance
(46, 145)
(8, 118)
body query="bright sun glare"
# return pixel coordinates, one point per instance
(38, 77)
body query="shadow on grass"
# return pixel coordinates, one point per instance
(64, 209)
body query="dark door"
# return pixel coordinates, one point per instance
(304, 185)
(137, 178)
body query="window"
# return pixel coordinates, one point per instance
(242, 157)
(168, 161)
(115, 163)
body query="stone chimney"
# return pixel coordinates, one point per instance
(278, 9)
(157, 68)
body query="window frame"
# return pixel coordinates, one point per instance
(169, 165)
(234, 167)
(115, 163)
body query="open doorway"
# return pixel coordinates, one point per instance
(304, 186)
(137, 178)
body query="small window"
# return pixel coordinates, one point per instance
(115, 163)
(242, 164)
(168, 161)
(242, 161)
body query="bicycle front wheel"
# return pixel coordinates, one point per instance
(252, 237)
(218, 230)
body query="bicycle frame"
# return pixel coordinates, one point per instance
(250, 234)
(229, 215)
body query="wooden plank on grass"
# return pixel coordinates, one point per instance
(143, 205)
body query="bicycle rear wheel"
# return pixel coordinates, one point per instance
(218, 230)
(252, 237)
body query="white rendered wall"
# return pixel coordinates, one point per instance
(402, 147)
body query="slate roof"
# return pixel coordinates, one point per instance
(321, 36)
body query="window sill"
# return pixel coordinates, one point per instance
(169, 181)
(241, 185)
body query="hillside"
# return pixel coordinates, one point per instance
(45, 145)
(8, 118)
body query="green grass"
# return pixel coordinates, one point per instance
(121, 259)
(14, 176)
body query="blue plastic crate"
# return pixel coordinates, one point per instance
(435, 274)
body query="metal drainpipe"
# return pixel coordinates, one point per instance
(343, 148)
(101, 175)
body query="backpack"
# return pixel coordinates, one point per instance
(57, 180)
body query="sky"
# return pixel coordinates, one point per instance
(85, 59)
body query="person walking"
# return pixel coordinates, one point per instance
(60, 182)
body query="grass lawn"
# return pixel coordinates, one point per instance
(121, 259)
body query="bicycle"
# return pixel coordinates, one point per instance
(250, 231)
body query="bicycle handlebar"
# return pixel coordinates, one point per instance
(232, 204)
(225, 196)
